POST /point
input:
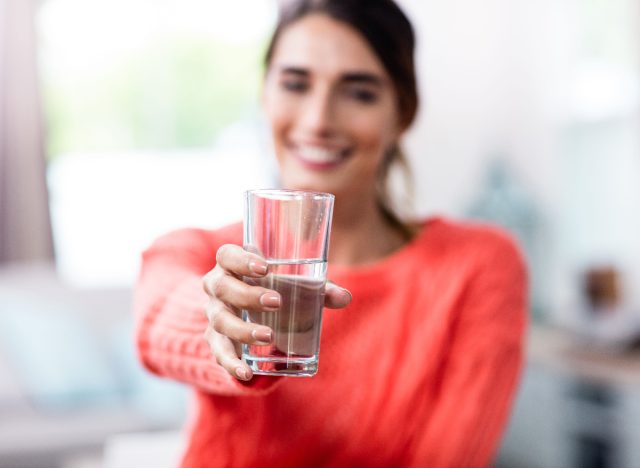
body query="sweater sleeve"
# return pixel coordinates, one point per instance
(169, 305)
(480, 376)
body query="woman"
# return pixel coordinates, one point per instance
(420, 368)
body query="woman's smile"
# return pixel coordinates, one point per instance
(319, 157)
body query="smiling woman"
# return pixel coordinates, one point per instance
(420, 368)
(362, 82)
(333, 115)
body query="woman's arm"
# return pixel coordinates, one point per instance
(480, 376)
(170, 319)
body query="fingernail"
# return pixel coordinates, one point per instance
(242, 373)
(258, 267)
(262, 335)
(270, 299)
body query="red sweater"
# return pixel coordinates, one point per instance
(419, 370)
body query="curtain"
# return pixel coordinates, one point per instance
(25, 227)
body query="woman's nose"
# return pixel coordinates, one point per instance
(318, 115)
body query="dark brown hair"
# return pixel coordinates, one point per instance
(390, 34)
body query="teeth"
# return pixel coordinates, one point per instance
(320, 155)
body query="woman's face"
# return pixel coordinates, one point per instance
(331, 106)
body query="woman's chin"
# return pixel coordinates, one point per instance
(311, 183)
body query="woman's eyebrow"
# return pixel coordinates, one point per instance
(363, 77)
(349, 77)
(294, 71)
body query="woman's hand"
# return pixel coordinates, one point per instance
(228, 294)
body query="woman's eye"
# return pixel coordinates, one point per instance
(363, 95)
(294, 85)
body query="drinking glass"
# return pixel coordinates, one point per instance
(290, 230)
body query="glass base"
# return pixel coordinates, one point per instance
(292, 367)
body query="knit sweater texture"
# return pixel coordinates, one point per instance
(419, 370)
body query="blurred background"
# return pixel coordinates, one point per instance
(123, 119)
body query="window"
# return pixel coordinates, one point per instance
(606, 68)
(151, 109)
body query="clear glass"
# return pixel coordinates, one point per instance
(290, 229)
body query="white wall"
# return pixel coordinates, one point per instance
(504, 76)
(488, 74)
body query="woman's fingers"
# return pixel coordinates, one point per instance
(228, 293)
(222, 282)
(225, 322)
(226, 355)
(240, 295)
(336, 297)
(238, 261)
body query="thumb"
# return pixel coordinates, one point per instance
(336, 297)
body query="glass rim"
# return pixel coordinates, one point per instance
(289, 194)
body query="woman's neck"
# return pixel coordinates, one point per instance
(360, 234)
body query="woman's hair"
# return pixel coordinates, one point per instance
(389, 33)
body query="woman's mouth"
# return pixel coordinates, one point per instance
(319, 157)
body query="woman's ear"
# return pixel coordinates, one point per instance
(399, 132)
(401, 126)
